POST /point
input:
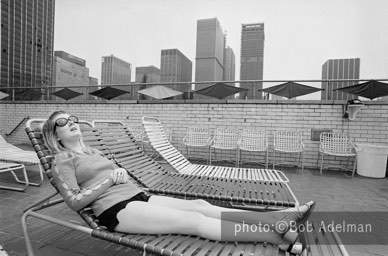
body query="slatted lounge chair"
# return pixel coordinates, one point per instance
(154, 244)
(227, 191)
(13, 154)
(155, 132)
(169, 245)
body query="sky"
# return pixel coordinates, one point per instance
(300, 35)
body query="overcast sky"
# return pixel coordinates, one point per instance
(300, 35)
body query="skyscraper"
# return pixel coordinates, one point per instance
(339, 69)
(209, 51)
(229, 65)
(69, 70)
(175, 66)
(27, 37)
(115, 71)
(148, 74)
(252, 59)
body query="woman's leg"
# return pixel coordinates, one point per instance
(271, 218)
(150, 218)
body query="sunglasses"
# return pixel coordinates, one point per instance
(63, 121)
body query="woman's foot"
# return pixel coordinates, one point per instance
(292, 219)
(295, 248)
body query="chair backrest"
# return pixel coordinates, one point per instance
(335, 143)
(159, 141)
(253, 140)
(225, 138)
(288, 141)
(197, 137)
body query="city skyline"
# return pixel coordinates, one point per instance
(300, 35)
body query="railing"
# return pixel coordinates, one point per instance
(187, 88)
(14, 129)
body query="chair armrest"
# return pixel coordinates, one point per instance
(184, 139)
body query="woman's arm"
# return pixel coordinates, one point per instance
(63, 171)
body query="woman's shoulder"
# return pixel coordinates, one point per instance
(64, 155)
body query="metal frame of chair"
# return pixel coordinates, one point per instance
(224, 139)
(12, 167)
(253, 140)
(288, 142)
(336, 144)
(13, 154)
(197, 137)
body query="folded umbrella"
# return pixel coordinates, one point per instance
(159, 92)
(291, 89)
(220, 90)
(108, 93)
(371, 89)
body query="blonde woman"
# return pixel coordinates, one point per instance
(85, 177)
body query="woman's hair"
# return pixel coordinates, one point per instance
(51, 140)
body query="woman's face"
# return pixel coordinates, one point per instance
(68, 132)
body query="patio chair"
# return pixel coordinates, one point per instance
(253, 140)
(289, 142)
(13, 154)
(197, 137)
(224, 139)
(12, 168)
(178, 162)
(336, 144)
(226, 191)
(167, 245)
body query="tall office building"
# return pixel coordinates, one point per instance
(149, 74)
(252, 59)
(115, 71)
(175, 66)
(27, 38)
(70, 70)
(209, 51)
(339, 69)
(229, 65)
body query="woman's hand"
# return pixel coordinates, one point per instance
(119, 176)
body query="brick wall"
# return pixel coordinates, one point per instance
(370, 126)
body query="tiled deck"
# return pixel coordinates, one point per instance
(332, 191)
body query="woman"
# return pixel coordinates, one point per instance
(85, 177)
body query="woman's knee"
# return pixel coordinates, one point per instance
(200, 203)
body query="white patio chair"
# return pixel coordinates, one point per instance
(336, 144)
(224, 139)
(253, 140)
(197, 137)
(289, 142)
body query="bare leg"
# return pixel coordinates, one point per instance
(150, 218)
(209, 210)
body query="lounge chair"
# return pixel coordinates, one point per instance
(228, 191)
(13, 154)
(171, 244)
(155, 132)
(12, 167)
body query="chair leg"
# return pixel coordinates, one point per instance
(239, 157)
(210, 156)
(302, 158)
(266, 159)
(320, 173)
(354, 165)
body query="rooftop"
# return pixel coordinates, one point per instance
(332, 191)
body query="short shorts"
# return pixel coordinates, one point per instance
(109, 217)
